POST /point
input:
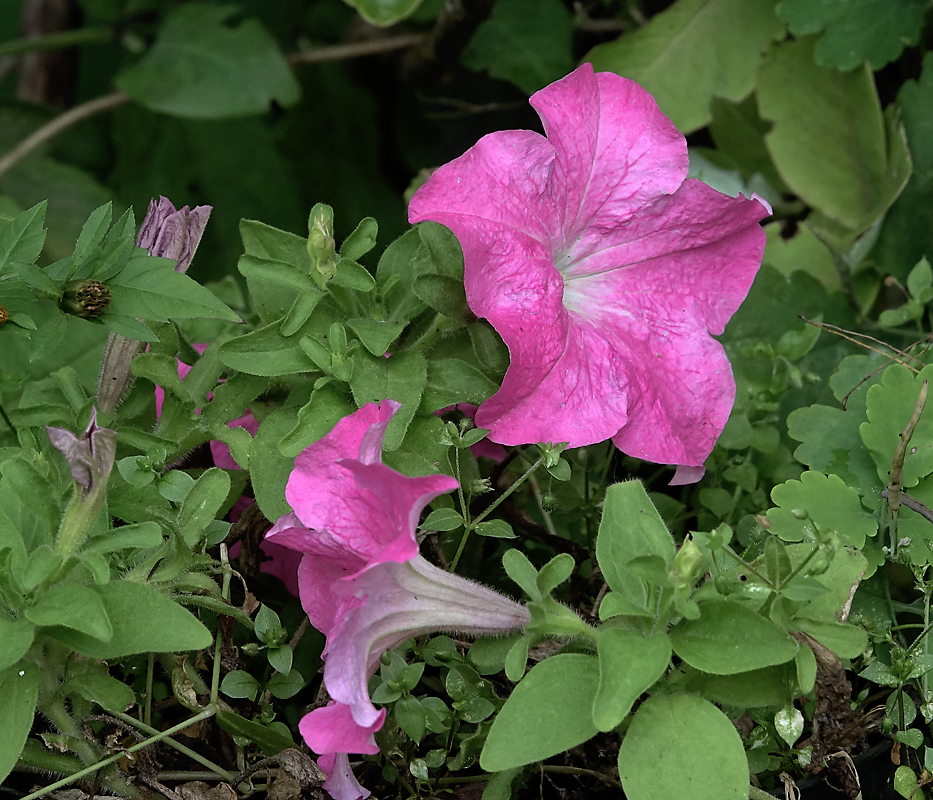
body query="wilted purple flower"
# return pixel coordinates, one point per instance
(90, 455)
(173, 233)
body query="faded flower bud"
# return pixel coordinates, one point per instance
(173, 233)
(321, 245)
(90, 457)
(85, 298)
(688, 564)
(4, 315)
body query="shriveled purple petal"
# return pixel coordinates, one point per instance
(90, 456)
(173, 233)
(603, 270)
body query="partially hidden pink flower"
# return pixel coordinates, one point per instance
(604, 271)
(362, 581)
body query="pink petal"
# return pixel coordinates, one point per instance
(341, 784)
(332, 730)
(603, 270)
(340, 489)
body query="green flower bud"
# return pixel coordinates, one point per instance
(687, 564)
(85, 298)
(321, 246)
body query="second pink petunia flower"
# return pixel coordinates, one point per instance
(605, 272)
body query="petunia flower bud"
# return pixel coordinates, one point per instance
(85, 298)
(321, 246)
(90, 457)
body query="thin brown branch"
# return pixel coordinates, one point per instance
(61, 123)
(340, 52)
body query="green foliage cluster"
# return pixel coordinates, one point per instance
(695, 628)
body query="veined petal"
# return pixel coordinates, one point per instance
(402, 601)
(614, 149)
(341, 783)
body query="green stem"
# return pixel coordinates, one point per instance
(156, 735)
(6, 419)
(507, 492)
(800, 566)
(150, 676)
(57, 41)
(749, 567)
(61, 719)
(464, 510)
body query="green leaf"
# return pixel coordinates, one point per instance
(376, 335)
(548, 712)
(527, 42)
(144, 621)
(101, 688)
(269, 740)
(444, 294)
(752, 689)
(443, 519)
(846, 641)
(269, 469)
(410, 717)
(286, 686)
(151, 288)
(824, 501)
(16, 638)
(384, 12)
(631, 528)
(452, 381)
(693, 51)
(496, 529)
(328, 405)
(92, 234)
(77, 607)
(266, 352)
(678, 741)
(829, 141)
(730, 638)
(629, 664)
(876, 31)
(21, 238)
(907, 234)
(202, 503)
(19, 690)
(202, 67)
(280, 659)
(239, 684)
(402, 378)
(361, 241)
(277, 272)
(889, 406)
(353, 276)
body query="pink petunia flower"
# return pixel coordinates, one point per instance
(603, 270)
(363, 583)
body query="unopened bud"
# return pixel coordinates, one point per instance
(687, 564)
(479, 486)
(4, 315)
(321, 245)
(85, 298)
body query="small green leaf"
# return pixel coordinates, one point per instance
(789, 724)
(15, 639)
(202, 503)
(286, 686)
(239, 684)
(496, 529)
(280, 659)
(101, 688)
(361, 241)
(548, 712)
(410, 717)
(269, 740)
(443, 519)
(22, 238)
(384, 12)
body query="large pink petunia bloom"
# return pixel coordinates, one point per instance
(603, 270)
(363, 583)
